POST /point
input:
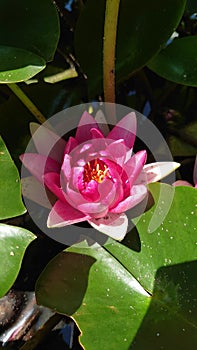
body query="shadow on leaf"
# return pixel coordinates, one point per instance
(69, 273)
(170, 321)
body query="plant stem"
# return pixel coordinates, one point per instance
(27, 102)
(67, 74)
(109, 46)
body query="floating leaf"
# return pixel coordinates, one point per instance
(173, 242)
(105, 288)
(18, 64)
(10, 190)
(14, 241)
(98, 292)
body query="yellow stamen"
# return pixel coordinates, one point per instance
(96, 170)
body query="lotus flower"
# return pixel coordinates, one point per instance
(186, 183)
(94, 176)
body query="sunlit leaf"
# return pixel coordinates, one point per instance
(105, 288)
(18, 64)
(14, 241)
(98, 292)
(31, 26)
(10, 190)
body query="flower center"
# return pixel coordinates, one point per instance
(96, 170)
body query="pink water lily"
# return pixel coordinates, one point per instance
(94, 176)
(186, 183)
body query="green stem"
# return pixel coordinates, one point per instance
(67, 74)
(109, 48)
(27, 102)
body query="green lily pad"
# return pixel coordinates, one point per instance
(125, 299)
(32, 27)
(178, 61)
(143, 27)
(98, 292)
(17, 64)
(172, 243)
(10, 190)
(14, 241)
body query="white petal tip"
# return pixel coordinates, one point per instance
(113, 225)
(157, 171)
(176, 165)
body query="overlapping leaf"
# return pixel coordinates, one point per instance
(105, 288)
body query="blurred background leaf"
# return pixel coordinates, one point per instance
(178, 61)
(137, 40)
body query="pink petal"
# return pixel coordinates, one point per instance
(134, 166)
(86, 123)
(117, 151)
(90, 191)
(47, 142)
(103, 126)
(38, 165)
(76, 179)
(33, 190)
(110, 192)
(71, 144)
(181, 183)
(62, 214)
(81, 154)
(115, 172)
(156, 171)
(95, 210)
(107, 190)
(75, 198)
(66, 167)
(96, 134)
(52, 181)
(112, 225)
(125, 129)
(138, 193)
